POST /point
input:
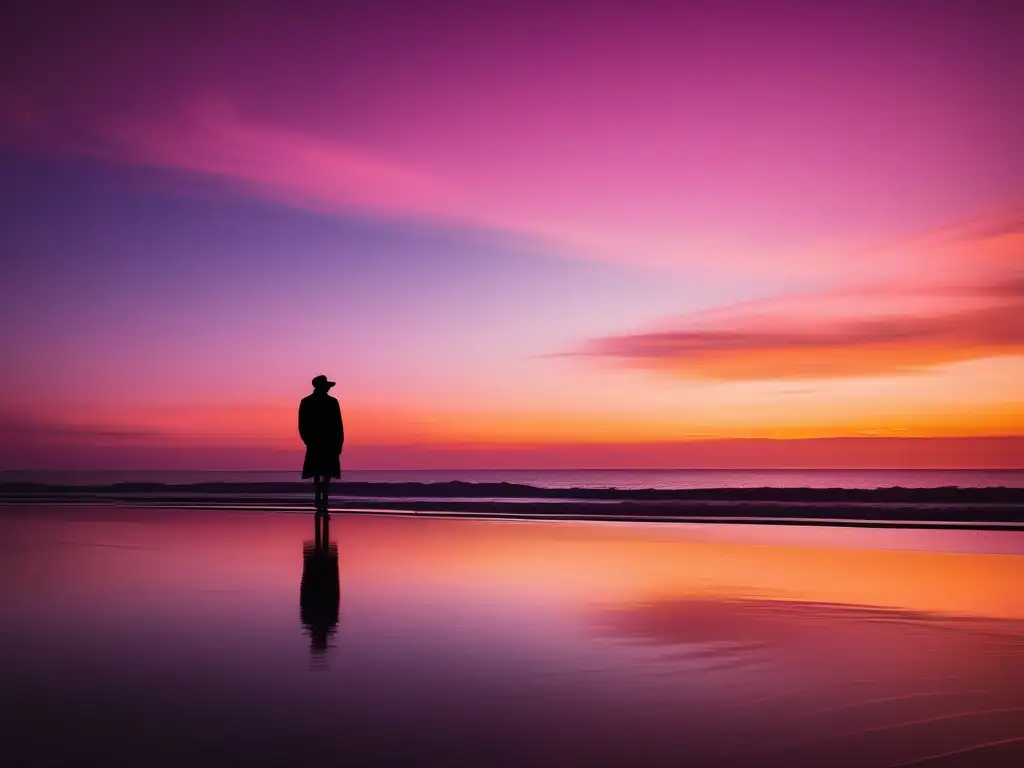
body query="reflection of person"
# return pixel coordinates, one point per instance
(321, 429)
(319, 591)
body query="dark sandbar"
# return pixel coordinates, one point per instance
(963, 507)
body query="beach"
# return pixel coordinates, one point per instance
(512, 385)
(181, 635)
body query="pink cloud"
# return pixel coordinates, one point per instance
(567, 190)
(751, 139)
(214, 139)
(668, 192)
(583, 214)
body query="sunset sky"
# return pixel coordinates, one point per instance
(725, 234)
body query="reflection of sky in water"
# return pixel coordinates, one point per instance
(523, 642)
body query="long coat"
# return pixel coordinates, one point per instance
(322, 431)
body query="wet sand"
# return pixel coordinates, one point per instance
(980, 508)
(189, 637)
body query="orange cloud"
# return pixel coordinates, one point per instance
(965, 303)
(872, 346)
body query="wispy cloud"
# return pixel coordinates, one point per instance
(965, 302)
(39, 431)
(223, 150)
(877, 345)
(226, 149)
(213, 138)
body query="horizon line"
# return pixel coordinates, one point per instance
(554, 469)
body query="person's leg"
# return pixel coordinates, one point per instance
(317, 494)
(323, 494)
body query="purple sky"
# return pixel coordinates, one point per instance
(515, 224)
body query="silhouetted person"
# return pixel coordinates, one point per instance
(321, 429)
(319, 591)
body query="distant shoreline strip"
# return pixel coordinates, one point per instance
(469, 490)
(959, 508)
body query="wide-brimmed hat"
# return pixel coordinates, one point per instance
(321, 382)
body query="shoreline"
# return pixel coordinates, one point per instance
(952, 508)
(457, 489)
(585, 517)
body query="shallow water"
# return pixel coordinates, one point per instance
(174, 637)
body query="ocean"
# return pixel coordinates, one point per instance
(569, 478)
(226, 637)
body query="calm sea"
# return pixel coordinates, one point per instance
(578, 478)
(212, 637)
